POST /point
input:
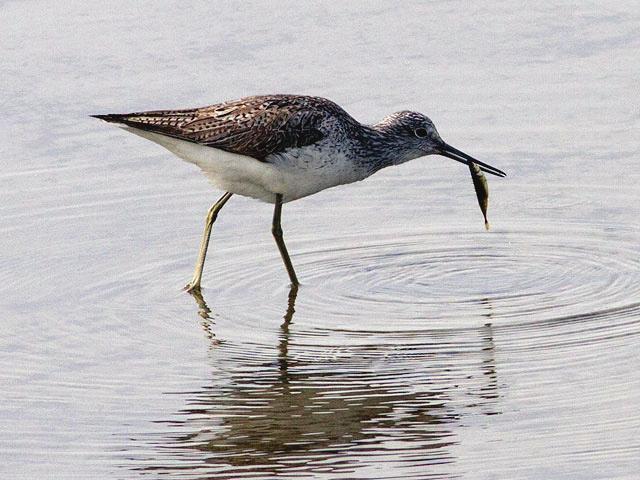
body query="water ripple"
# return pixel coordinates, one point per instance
(389, 349)
(441, 278)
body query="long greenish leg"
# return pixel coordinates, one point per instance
(212, 214)
(276, 229)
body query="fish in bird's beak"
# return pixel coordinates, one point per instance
(448, 151)
(481, 187)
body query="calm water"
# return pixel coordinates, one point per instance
(419, 346)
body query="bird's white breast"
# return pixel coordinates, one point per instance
(295, 173)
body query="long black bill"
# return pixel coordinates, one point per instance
(448, 151)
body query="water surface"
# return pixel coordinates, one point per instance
(418, 346)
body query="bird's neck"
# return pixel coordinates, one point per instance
(381, 147)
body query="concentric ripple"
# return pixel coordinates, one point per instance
(450, 279)
(393, 345)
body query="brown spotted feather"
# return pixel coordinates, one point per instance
(254, 126)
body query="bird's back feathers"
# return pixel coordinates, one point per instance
(255, 126)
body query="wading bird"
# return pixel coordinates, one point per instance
(279, 148)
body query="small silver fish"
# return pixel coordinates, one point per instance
(482, 190)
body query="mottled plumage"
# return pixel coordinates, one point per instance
(279, 148)
(255, 126)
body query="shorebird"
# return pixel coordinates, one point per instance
(280, 148)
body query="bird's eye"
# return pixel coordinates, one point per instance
(421, 132)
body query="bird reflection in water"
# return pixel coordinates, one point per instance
(397, 400)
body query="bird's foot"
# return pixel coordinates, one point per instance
(192, 287)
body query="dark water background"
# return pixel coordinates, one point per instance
(418, 346)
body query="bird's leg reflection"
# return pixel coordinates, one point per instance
(283, 345)
(203, 308)
(291, 304)
(205, 312)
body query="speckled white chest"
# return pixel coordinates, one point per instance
(295, 173)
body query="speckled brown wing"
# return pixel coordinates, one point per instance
(253, 126)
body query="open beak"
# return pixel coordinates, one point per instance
(448, 151)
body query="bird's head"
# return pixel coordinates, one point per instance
(418, 136)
